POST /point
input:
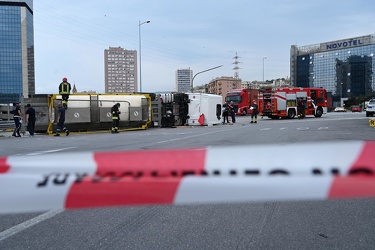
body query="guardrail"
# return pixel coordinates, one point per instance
(4, 125)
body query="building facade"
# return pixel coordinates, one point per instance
(344, 67)
(222, 85)
(17, 67)
(120, 70)
(183, 80)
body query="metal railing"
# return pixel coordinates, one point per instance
(4, 125)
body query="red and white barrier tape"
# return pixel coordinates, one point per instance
(341, 158)
(31, 193)
(181, 176)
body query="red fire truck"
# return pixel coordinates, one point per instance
(284, 102)
(242, 100)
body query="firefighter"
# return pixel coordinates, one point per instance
(115, 117)
(254, 114)
(64, 91)
(301, 110)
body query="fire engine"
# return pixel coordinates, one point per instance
(242, 100)
(283, 102)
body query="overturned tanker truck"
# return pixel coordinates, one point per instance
(92, 112)
(191, 109)
(88, 112)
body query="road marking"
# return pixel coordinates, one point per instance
(306, 128)
(190, 136)
(323, 128)
(49, 151)
(32, 222)
(186, 137)
(283, 128)
(265, 129)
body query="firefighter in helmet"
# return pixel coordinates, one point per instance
(301, 109)
(115, 118)
(254, 114)
(64, 91)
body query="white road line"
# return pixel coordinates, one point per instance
(192, 136)
(49, 151)
(32, 222)
(305, 128)
(186, 137)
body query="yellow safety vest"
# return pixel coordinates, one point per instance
(64, 88)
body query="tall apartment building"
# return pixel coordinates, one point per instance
(183, 80)
(120, 70)
(17, 74)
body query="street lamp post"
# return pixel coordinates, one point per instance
(140, 54)
(192, 80)
(263, 67)
(341, 102)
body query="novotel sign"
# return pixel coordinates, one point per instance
(348, 43)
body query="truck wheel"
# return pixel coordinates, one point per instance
(244, 112)
(318, 113)
(291, 113)
(367, 114)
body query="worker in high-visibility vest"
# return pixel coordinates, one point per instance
(115, 117)
(64, 91)
(254, 114)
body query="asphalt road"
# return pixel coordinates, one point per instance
(337, 224)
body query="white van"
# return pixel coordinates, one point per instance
(370, 110)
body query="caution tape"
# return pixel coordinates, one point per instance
(33, 193)
(342, 158)
(184, 176)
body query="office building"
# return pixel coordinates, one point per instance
(183, 80)
(344, 67)
(17, 74)
(120, 70)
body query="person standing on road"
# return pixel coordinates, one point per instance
(254, 114)
(64, 91)
(225, 113)
(115, 118)
(61, 120)
(17, 116)
(301, 110)
(30, 119)
(232, 113)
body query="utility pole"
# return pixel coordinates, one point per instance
(236, 69)
(264, 58)
(140, 53)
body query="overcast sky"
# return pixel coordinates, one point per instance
(71, 36)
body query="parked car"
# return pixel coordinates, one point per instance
(340, 109)
(370, 111)
(356, 108)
